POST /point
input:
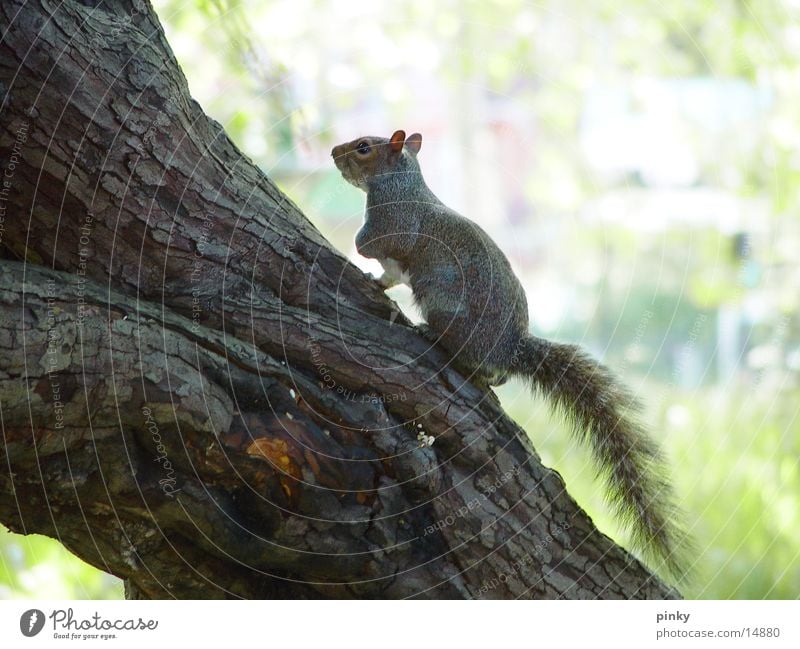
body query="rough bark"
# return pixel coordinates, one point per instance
(201, 396)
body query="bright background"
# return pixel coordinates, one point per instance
(638, 161)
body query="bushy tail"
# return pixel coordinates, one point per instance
(598, 407)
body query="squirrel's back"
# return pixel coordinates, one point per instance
(465, 287)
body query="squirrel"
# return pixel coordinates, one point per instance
(475, 307)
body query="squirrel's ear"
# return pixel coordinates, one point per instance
(397, 140)
(414, 143)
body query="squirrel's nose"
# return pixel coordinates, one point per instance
(336, 151)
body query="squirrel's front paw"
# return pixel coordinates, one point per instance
(382, 281)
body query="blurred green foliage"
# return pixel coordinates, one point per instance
(736, 475)
(681, 274)
(35, 566)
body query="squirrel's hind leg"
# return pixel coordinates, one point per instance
(482, 376)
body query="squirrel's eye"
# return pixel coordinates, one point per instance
(362, 147)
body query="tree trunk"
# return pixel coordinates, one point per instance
(201, 396)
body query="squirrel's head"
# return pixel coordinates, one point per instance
(370, 157)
